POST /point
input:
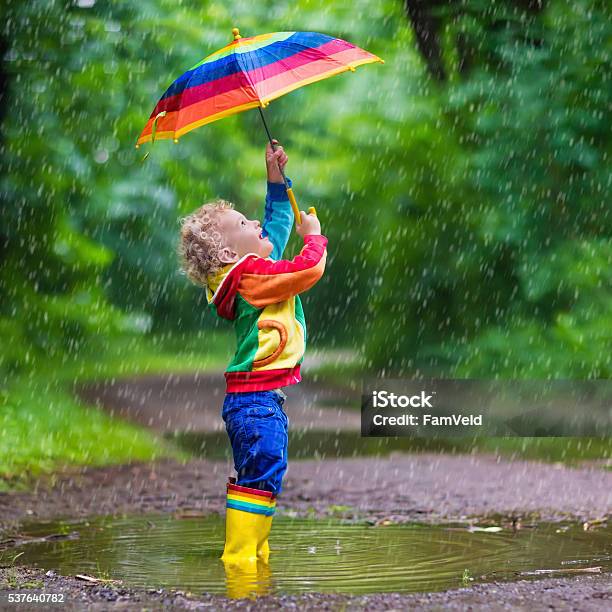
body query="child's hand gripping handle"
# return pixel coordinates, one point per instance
(290, 194)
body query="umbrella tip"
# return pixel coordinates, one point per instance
(236, 33)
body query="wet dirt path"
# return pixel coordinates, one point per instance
(192, 402)
(424, 487)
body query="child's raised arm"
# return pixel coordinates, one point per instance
(278, 215)
(264, 282)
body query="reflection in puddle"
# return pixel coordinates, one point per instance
(308, 555)
(248, 580)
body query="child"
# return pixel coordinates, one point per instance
(239, 263)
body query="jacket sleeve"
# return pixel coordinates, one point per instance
(264, 282)
(278, 218)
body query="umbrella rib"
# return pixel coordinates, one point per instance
(245, 72)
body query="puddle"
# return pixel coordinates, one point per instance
(324, 556)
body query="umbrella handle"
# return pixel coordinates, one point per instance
(296, 211)
(294, 206)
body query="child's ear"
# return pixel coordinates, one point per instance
(227, 256)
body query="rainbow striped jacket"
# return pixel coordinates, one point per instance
(261, 297)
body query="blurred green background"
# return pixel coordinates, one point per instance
(464, 187)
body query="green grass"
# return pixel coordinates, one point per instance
(140, 355)
(45, 427)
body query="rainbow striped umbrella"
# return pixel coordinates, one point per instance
(249, 73)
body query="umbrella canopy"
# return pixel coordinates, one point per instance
(249, 73)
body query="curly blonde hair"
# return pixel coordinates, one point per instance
(200, 242)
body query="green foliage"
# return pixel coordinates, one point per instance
(469, 220)
(508, 271)
(540, 160)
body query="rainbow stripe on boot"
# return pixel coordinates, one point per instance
(248, 521)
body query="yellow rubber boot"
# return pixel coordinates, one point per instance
(248, 521)
(263, 551)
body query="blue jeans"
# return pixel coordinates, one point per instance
(257, 427)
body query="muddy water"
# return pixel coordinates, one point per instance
(325, 556)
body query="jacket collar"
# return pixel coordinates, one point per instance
(221, 287)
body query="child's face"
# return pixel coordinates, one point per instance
(241, 236)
